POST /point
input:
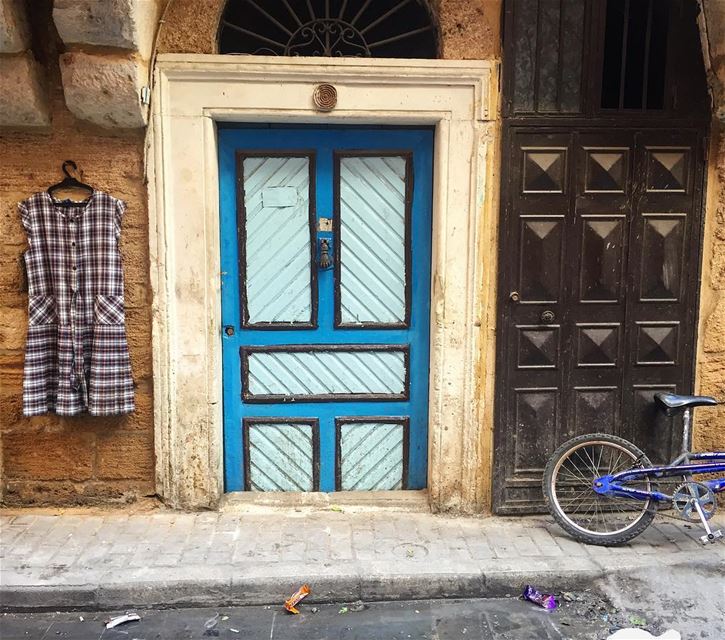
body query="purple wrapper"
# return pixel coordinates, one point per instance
(545, 600)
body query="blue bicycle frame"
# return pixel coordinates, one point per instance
(610, 484)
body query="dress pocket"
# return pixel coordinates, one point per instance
(108, 310)
(42, 310)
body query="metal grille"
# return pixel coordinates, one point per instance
(363, 28)
(635, 54)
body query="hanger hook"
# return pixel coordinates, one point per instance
(72, 164)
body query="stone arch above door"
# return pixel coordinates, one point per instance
(469, 30)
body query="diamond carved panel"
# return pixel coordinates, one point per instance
(657, 343)
(650, 426)
(662, 251)
(668, 170)
(606, 171)
(538, 347)
(540, 258)
(598, 345)
(544, 170)
(595, 409)
(602, 247)
(536, 413)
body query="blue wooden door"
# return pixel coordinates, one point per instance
(325, 253)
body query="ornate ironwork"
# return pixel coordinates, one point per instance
(357, 28)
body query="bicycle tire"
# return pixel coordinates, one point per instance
(588, 537)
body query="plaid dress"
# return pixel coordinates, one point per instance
(76, 356)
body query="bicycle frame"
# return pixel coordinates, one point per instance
(610, 484)
(681, 466)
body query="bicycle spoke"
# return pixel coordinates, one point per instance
(573, 490)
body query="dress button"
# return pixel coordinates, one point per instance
(74, 268)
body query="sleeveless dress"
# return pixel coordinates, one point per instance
(76, 356)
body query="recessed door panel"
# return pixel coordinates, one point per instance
(277, 193)
(541, 251)
(326, 247)
(373, 239)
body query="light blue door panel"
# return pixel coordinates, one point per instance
(281, 456)
(278, 231)
(373, 239)
(371, 455)
(325, 369)
(316, 374)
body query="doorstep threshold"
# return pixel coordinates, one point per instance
(348, 501)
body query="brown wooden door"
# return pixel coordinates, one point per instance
(598, 291)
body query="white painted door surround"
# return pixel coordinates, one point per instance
(194, 92)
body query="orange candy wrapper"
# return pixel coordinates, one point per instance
(295, 598)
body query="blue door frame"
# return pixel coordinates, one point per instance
(322, 144)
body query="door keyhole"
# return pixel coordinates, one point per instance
(547, 317)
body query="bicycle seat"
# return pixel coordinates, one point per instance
(672, 401)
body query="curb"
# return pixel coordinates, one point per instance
(240, 591)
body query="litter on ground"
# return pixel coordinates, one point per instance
(291, 603)
(641, 634)
(129, 616)
(545, 600)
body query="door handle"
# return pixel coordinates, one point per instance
(324, 260)
(514, 296)
(229, 330)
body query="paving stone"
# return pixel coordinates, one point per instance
(255, 559)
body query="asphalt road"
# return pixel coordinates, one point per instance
(497, 619)
(687, 598)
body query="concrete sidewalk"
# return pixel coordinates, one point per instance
(112, 560)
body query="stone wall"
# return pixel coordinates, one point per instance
(49, 459)
(710, 423)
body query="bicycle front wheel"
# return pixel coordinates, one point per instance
(583, 513)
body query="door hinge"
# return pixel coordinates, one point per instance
(146, 95)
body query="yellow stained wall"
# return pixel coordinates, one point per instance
(49, 459)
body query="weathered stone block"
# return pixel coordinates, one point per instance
(27, 104)
(28, 492)
(127, 24)
(717, 277)
(714, 338)
(126, 456)
(14, 29)
(104, 90)
(11, 388)
(13, 327)
(58, 455)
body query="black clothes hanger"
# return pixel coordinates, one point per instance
(69, 182)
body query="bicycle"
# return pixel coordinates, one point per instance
(603, 490)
